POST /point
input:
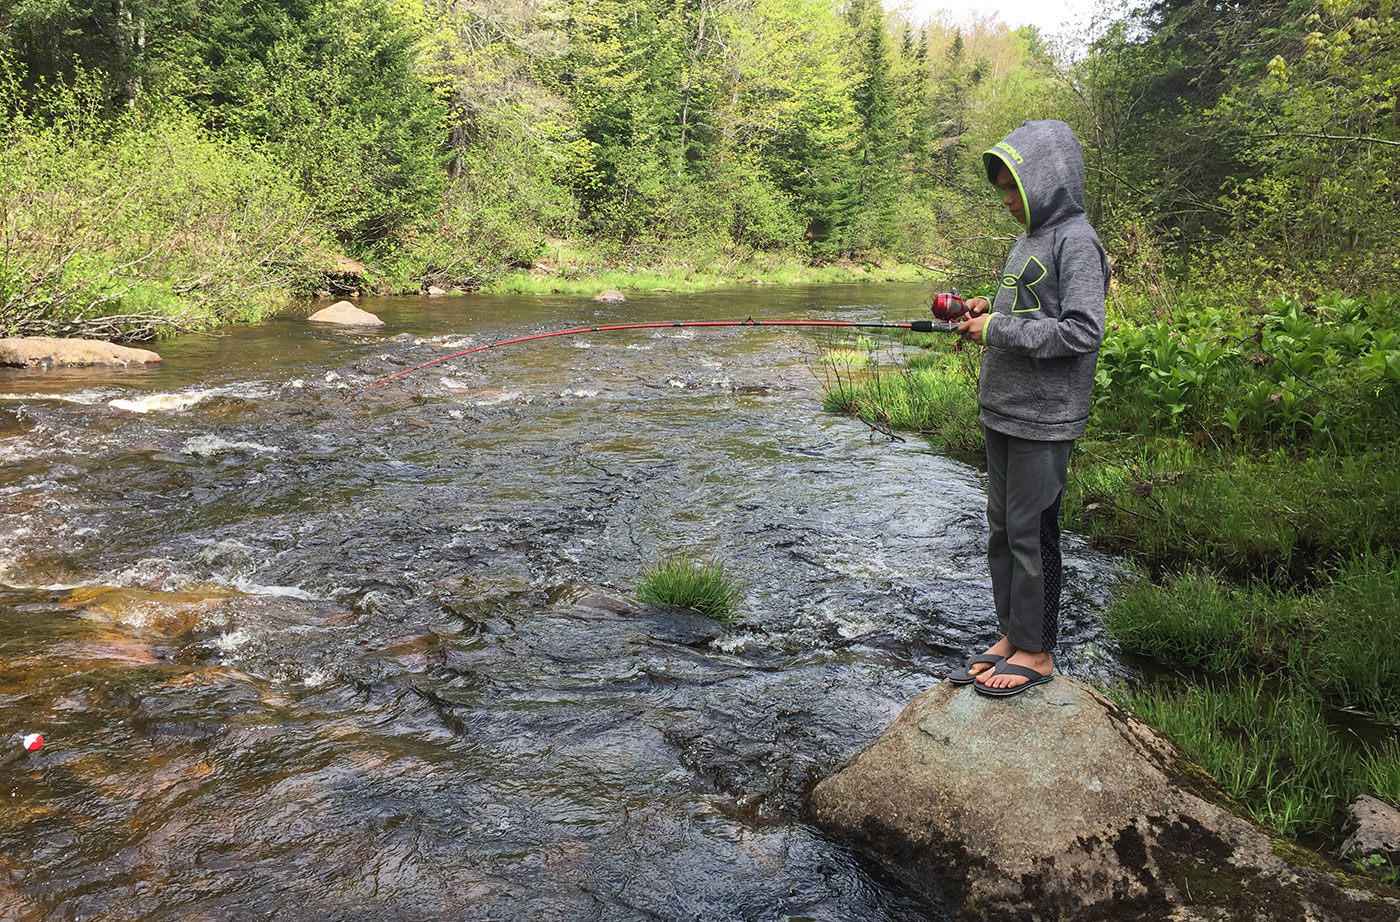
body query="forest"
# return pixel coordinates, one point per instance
(201, 160)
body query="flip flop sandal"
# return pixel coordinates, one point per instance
(1012, 669)
(965, 675)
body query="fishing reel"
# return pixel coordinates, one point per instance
(949, 307)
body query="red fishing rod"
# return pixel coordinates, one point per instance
(950, 310)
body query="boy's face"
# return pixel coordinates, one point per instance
(1011, 195)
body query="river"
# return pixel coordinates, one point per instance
(305, 652)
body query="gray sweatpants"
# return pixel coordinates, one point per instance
(1026, 482)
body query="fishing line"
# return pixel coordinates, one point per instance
(916, 326)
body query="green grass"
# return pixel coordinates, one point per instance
(690, 583)
(1335, 638)
(842, 356)
(1272, 516)
(593, 277)
(932, 394)
(1268, 747)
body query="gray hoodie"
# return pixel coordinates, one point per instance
(1047, 318)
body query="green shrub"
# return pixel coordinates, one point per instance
(690, 583)
(141, 224)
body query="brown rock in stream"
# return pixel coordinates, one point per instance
(344, 313)
(167, 614)
(1058, 804)
(47, 350)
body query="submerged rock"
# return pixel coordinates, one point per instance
(612, 294)
(1373, 833)
(50, 351)
(1058, 804)
(345, 314)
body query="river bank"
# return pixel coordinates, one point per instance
(1245, 458)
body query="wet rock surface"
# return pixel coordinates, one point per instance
(48, 352)
(1058, 804)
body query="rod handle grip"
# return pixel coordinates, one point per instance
(931, 326)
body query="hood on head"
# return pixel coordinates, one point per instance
(1048, 164)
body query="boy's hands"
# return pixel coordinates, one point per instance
(971, 328)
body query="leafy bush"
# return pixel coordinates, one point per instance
(140, 224)
(1321, 375)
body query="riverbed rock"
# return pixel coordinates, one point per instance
(14, 421)
(168, 614)
(345, 314)
(52, 351)
(1059, 804)
(434, 291)
(611, 295)
(1372, 832)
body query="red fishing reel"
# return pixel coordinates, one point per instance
(949, 306)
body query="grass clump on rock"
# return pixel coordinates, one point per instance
(689, 583)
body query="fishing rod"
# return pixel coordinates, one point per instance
(948, 307)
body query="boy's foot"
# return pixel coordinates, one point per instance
(1002, 647)
(1042, 663)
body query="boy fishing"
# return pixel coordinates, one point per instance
(1042, 332)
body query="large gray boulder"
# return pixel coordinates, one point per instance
(1058, 804)
(47, 350)
(345, 314)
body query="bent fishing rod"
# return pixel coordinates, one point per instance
(948, 307)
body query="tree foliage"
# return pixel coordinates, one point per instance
(1250, 145)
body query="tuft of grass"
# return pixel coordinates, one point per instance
(1379, 771)
(1191, 621)
(690, 583)
(841, 356)
(933, 394)
(1270, 748)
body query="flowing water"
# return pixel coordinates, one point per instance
(300, 651)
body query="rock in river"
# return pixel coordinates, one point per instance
(1058, 804)
(612, 295)
(1373, 832)
(48, 350)
(345, 314)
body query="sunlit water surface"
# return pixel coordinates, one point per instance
(300, 651)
